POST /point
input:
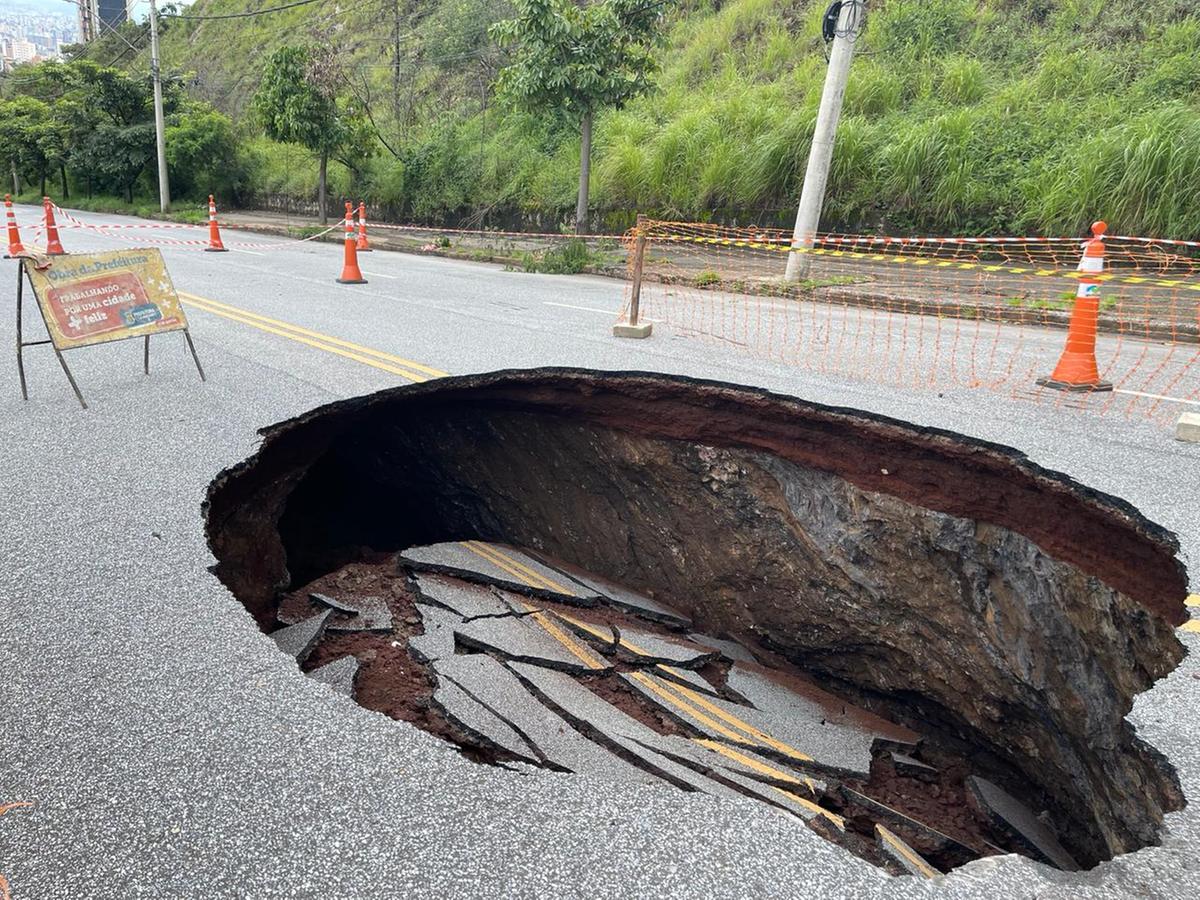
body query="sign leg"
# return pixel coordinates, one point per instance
(146, 357)
(71, 378)
(20, 340)
(187, 336)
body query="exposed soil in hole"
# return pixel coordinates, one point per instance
(946, 583)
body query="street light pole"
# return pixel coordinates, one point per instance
(164, 187)
(812, 195)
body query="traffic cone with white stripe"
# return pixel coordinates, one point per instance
(214, 233)
(15, 247)
(54, 246)
(350, 270)
(1077, 369)
(362, 246)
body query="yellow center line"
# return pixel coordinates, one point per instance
(583, 654)
(812, 807)
(650, 685)
(904, 850)
(489, 551)
(1193, 625)
(756, 736)
(750, 762)
(406, 368)
(1193, 600)
(624, 641)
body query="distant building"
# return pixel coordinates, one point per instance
(23, 51)
(95, 14)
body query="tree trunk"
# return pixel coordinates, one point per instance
(43, 182)
(62, 177)
(585, 173)
(321, 188)
(16, 180)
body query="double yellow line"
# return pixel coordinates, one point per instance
(396, 365)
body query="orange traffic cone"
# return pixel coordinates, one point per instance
(1076, 369)
(54, 246)
(363, 246)
(214, 233)
(15, 247)
(350, 272)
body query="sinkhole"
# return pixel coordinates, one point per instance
(920, 645)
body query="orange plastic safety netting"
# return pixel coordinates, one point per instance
(987, 313)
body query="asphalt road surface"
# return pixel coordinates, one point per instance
(169, 750)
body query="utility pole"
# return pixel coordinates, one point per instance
(164, 186)
(812, 195)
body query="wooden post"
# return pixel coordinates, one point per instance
(633, 328)
(639, 259)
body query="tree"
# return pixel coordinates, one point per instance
(202, 151)
(297, 103)
(576, 60)
(23, 121)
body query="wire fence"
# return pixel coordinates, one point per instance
(930, 312)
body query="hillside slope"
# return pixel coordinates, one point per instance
(996, 116)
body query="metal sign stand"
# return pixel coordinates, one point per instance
(22, 344)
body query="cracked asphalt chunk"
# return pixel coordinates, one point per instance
(623, 598)
(493, 564)
(339, 675)
(370, 613)
(466, 598)
(501, 691)
(689, 678)
(745, 761)
(903, 855)
(516, 639)
(1008, 813)
(807, 743)
(477, 720)
(642, 647)
(729, 650)
(438, 638)
(298, 640)
(611, 725)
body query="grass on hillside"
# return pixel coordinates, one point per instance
(963, 116)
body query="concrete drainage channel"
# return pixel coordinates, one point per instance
(921, 646)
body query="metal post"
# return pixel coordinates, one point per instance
(146, 356)
(20, 343)
(633, 328)
(187, 336)
(820, 156)
(164, 187)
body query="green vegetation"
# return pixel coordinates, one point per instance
(568, 258)
(962, 116)
(93, 126)
(574, 61)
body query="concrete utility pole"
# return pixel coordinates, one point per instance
(812, 196)
(164, 187)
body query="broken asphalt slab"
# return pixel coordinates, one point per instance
(339, 675)
(523, 639)
(298, 640)
(1014, 818)
(437, 640)
(621, 597)
(497, 688)
(641, 647)
(481, 723)
(613, 727)
(502, 566)
(466, 598)
(370, 613)
(903, 855)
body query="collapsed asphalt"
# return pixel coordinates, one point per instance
(170, 750)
